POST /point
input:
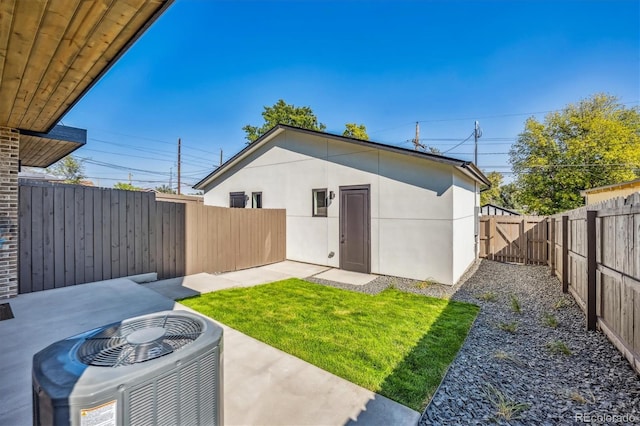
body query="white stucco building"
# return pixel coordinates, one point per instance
(358, 205)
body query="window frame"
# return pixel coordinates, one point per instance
(314, 205)
(237, 194)
(253, 199)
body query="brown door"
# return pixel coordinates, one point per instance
(355, 242)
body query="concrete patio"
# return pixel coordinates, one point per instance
(192, 285)
(262, 385)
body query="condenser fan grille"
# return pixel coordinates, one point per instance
(138, 340)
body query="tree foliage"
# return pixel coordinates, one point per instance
(433, 150)
(492, 195)
(283, 113)
(509, 197)
(592, 143)
(165, 189)
(357, 131)
(70, 168)
(127, 186)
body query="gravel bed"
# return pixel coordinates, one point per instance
(404, 284)
(557, 388)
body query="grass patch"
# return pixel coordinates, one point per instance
(549, 320)
(510, 327)
(505, 407)
(395, 343)
(515, 305)
(558, 347)
(488, 296)
(576, 396)
(506, 356)
(561, 303)
(424, 284)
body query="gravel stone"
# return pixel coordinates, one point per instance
(558, 388)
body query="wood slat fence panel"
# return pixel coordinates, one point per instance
(71, 235)
(220, 239)
(514, 239)
(615, 265)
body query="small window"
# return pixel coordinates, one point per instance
(237, 200)
(256, 200)
(320, 202)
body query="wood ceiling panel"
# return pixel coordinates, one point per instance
(54, 25)
(44, 152)
(76, 37)
(112, 50)
(24, 29)
(53, 51)
(114, 25)
(6, 20)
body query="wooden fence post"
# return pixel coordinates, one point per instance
(551, 236)
(591, 270)
(492, 238)
(565, 254)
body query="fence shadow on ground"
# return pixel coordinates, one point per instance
(417, 376)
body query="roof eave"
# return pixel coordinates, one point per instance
(239, 156)
(113, 61)
(466, 167)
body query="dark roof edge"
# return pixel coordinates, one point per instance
(501, 208)
(113, 61)
(238, 154)
(473, 170)
(60, 133)
(477, 173)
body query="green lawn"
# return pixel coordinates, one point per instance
(396, 344)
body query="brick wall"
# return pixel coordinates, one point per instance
(9, 155)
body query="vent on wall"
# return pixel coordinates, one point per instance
(158, 368)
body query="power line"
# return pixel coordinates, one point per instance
(469, 137)
(154, 140)
(146, 150)
(483, 117)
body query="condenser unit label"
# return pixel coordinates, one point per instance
(102, 415)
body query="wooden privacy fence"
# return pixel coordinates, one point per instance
(596, 255)
(222, 239)
(517, 239)
(71, 234)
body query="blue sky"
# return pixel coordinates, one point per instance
(207, 68)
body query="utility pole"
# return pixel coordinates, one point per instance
(129, 178)
(416, 142)
(477, 133)
(179, 143)
(220, 157)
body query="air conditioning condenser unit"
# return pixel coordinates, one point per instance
(155, 369)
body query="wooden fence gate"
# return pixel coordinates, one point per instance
(515, 239)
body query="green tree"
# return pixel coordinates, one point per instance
(283, 113)
(509, 197)
(592, 143)
(165, 189)
(433, 150)
(492, 195)
(357, 131)
(70, 168)
(127, 186)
